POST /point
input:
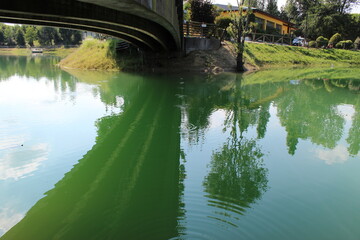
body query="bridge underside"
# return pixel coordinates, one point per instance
(155, 34)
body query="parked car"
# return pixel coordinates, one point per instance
(299, 41)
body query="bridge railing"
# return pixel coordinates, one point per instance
(202, 30)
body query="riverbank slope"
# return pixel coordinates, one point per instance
(100, 55)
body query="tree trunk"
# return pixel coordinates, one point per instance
(240, 62)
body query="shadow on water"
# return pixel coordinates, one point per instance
(127, 185)
(130, 184)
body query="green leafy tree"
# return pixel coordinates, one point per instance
(57, 37)
(46, 36)
(238, 28)
(20, 37)
(31, 35)
(76, 37)
(2, 35)
(323, 18)
(9, 36)
(223, 22)
(187, 11)
(202, 11)
(66, 35)
(272, 7)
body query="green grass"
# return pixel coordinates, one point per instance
(302, 73)
(264, 55)
(58, 52)
(15, 51)
(93, 54)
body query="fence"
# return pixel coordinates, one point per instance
(202, 30)
(269, 38)
(206, 30)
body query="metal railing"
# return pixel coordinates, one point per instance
(202, 30)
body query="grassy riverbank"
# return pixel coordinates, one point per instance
(262, 56)
(59, 52)
(92, 55)
(101, 55)
(267, 55)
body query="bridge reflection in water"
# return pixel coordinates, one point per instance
(127, 185)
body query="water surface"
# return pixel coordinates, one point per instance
(91, 155)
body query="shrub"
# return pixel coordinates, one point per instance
(348, 44)
(357, 43)
(335, 39)
(222, 22)
(312, 44)
(321, 42)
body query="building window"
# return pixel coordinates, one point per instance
(270, 24)
(260, 23)
(278, 28)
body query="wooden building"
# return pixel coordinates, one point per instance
(265, 21)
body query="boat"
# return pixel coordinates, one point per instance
(36, 50)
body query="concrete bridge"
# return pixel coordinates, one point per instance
(152, 25)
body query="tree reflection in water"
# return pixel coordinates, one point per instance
(237, 176)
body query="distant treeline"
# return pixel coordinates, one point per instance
(21, 35)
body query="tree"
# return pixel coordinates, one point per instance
(19, 37)
(45, 36)
(66, 35)
(31, 35)
(238, 29)
(2, 36)
(272, 8)
(9, 36)
(259, 4)
(202, 11)
(76, 37)
(323, 17)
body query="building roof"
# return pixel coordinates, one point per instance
(235, 8)
(226, 7)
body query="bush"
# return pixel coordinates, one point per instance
(357, 43)
(321, 42)
(335, 39)
(348, 44)
(222, 22)
(312, 44)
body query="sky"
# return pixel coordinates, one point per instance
(280, 3)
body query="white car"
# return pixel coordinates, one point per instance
(299, 41)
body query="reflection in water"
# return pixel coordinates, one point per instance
(237, 176)
(127, 185)
(132, 184)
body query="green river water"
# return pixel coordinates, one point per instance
(96, 155)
